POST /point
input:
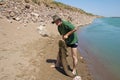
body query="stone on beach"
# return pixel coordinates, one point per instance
(77, 78)
(42, 31)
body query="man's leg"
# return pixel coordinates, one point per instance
(75, 59)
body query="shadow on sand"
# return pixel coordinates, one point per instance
(60, 69)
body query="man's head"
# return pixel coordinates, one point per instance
(57, 20)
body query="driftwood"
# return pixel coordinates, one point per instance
(63, 60)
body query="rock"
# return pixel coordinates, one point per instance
(28, 12)
(2, 2)
(35, 14)
(27, 6)
(70, 18)
(12, 14)
(1, 16)
(40, 28)
(45, 35)
(17, 18)
(42, 31)
(77, 78)
(34, 19)
(27, 1)
(81, 58)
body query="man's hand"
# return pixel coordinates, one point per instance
(65, 37)
(69, 33)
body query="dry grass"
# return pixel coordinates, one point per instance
(64, 6)
(52, 3)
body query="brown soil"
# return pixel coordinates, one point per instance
(26, 55)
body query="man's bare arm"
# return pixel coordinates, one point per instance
(69, 33)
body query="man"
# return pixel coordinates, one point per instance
(67, 31)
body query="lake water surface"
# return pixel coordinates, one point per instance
(99, 43)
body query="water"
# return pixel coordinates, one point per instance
(99, 43)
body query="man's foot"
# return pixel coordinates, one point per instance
(54, 66)
(74, 72)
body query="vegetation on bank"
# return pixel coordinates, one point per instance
(54, 4)
(64, 6)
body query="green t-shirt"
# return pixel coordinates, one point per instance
(64, 28)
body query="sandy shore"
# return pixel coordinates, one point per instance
(26, 55)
